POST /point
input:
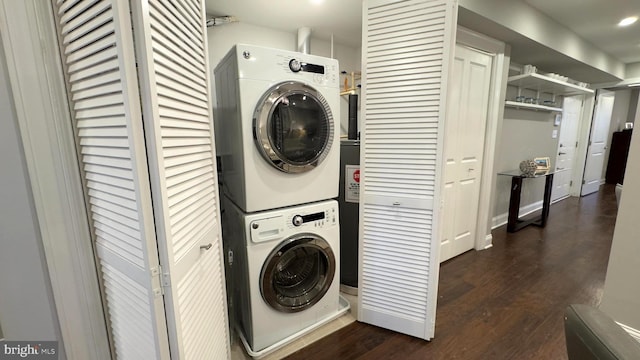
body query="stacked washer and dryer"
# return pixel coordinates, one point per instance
(278, 139)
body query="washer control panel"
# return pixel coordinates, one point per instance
(280, 224)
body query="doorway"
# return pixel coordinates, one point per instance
(567, 145)
(463, 149)
(475, 105)
(598, 137)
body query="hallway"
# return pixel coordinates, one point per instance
(506, 302)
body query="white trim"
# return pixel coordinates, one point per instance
(41, 106)
(488, 242)
(495, 113)
(635, 333)
(524, 211)
(560, 199)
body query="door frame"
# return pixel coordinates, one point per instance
(495, 112)
(37, 84)
(574, 170)
(587, 138)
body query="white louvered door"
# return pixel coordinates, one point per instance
(177, 111)
(407, 53)
(143, 122)
(97, 51)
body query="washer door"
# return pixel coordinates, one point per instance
(293, 127)
(297, 273)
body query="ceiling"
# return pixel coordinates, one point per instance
(594, 20)
(597, 21)
(342, 18)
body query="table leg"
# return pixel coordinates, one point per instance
(514, 203)
(548, 186)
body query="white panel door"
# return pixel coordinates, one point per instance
(96, 42)
(172, 53)
(407, 47)
(464, 141)
(598, 142)
(567, 144)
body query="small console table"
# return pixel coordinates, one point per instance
(515, 223)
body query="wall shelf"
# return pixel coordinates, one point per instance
(536, 107)
(542, 83)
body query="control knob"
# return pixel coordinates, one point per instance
(295, 65)
(297, 220)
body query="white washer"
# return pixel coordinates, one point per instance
(285, 271)
(277, 127)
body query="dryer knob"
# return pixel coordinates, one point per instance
(297, 220)
(295, 65)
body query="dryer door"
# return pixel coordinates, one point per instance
(293, 127)
(297, 273)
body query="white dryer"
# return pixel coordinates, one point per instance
(277, 120)
(285, 270)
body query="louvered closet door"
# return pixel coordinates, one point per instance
(407, 48)
(97, 51)
(172, 53)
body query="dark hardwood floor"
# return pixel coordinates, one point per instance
(506, 302)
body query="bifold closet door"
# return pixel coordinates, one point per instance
(172, 53)
(150, 188)
(407, 53)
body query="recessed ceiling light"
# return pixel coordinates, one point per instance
(628, 21)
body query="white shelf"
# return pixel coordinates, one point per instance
(535, 107)
(546, 84)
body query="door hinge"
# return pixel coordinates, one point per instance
(583, 182)
(576, 144)
(156, 281)
(570, 183)
(162, 280)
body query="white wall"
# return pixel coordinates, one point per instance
(632, 70)
(27, 310)
(619, 116)
(222, 38)
(633, 105)
(525, 134)
(621, 298)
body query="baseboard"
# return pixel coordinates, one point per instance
(603, 181)
(488, 242)
(501, 219)
(633, 332)
(560, 199)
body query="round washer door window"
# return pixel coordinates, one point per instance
(293, 127)
(297, 273)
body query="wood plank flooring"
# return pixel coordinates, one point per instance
(506, 302)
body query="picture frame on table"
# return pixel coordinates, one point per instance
(542, 163)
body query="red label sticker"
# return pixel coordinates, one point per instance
(356, 175)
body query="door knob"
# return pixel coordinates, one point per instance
(206, 247)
